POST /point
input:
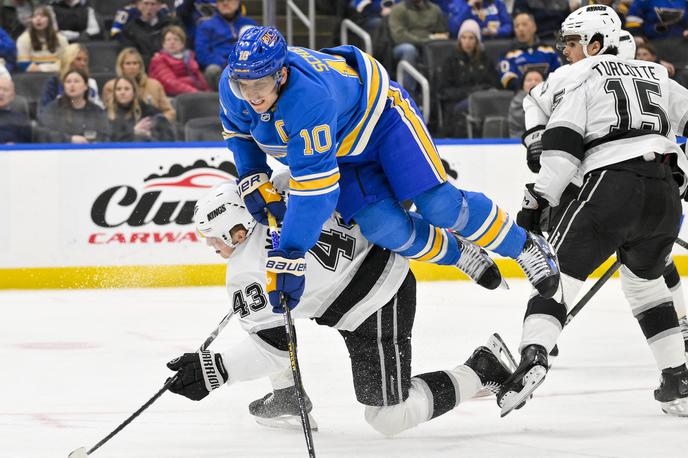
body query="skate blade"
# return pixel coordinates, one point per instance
(504, 284)
(533, 378)
(676, 408)
(292, 422)
(497, 345)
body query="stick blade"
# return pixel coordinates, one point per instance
(79, 453)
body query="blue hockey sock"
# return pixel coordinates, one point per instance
(474, 216)
(387, 224)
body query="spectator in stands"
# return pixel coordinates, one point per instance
(129, 12)
(491, 16)
(39, 47)
(548, 14)
(517, 117)
(444, 5)
(130, 64)
(464, 72)
(413, 23)
(145, 31)
(658, 19)
(176, 67)
(15, 127)
(72, 118)
(192, 12)
(526, 53)
(76, 20)
(75, 56)
(8, 51)
(369, 13)
(132, 119)
(216, 37)
(15, 16)
(647, 52)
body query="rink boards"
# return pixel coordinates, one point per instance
(121, 215)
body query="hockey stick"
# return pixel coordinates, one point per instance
(81, 451)
(291, 340)
(682, 243)
(592, 291)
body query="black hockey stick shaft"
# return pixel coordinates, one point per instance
(595, 288)
(293, 358)
(164, 388)
(682, 243)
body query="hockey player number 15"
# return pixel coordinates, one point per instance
(653, 117)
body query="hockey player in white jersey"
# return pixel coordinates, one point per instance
(538, 109)
(365, 292)
(614, 123)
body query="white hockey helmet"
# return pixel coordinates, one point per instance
(220, 210)
(626, 45)
(590, 20)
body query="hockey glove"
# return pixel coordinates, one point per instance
(285, 278)
(198, 374)
(260, 197)
(531, 210)
(532, 140)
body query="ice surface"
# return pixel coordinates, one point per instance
(75, 364)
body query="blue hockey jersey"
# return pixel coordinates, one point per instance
(491, 15)
(516, 62)
(325, 114)
(658, 18)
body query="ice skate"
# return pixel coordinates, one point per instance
(539, 262)
(476, 263)
(683, 325)
(280, 409)
(673, 391)
(493, 363)
(527, 377)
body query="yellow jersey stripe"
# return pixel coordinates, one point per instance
(418, 128)
(313, 185)
(436, 246)
(313, 176)
(316, 192)
(374, 81)
(493, 232)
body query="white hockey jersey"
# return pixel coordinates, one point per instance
(347, 280)
(603, 110)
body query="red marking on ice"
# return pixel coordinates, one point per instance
(46, 420)
(56, 345)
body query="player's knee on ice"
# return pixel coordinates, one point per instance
(391, 420)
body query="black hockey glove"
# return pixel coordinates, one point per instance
(531, 209)
(532, 140)
(197, 374)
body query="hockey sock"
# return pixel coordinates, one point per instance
(651, 305)
(543, 322)
(474, 216)
(448, 388)
(387, 224)
(430, 244)
(673, 282)
(660, 326)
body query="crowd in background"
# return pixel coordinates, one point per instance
(151, 54)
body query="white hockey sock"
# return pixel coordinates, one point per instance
(679, 300)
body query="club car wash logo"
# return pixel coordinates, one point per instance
(159, 210)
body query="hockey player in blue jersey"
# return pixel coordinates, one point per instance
(354, 142)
